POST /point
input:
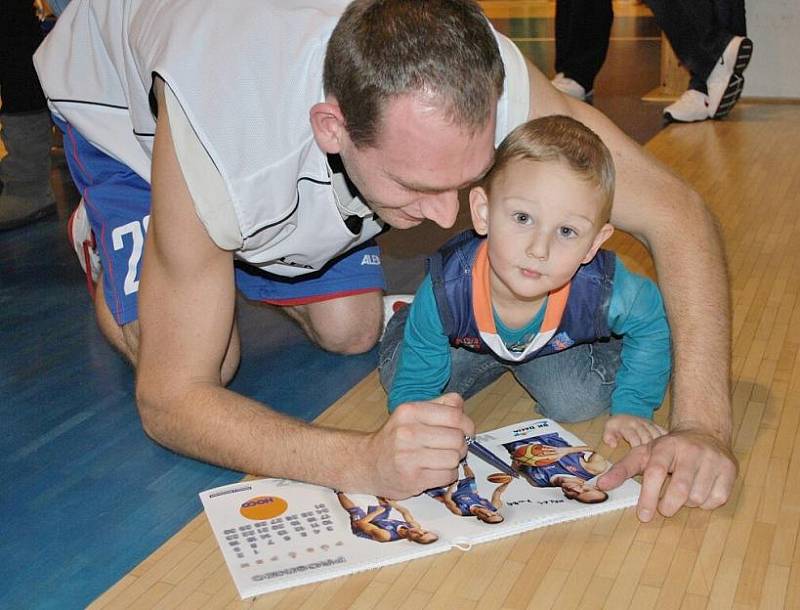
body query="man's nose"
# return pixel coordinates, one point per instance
(441, 208)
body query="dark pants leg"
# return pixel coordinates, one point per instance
(731, 14)
(26, 131)
(699, 31)
(20, 34)
(583, 28)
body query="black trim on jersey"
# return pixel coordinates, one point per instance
(277, 222)
(293, 210)
(87, 102)
(309, 179)
(353, 222)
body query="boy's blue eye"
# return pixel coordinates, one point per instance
(522, 218)
(567, 232)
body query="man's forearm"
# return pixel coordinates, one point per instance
(218, 426)
(697, 299)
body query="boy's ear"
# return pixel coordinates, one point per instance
(328, 125)
(479, 209)
(602, 236)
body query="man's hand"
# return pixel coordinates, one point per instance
(701, 471)
(420, 447)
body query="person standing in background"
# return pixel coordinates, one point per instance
(708, 36)
(26, 195)
(583, 29)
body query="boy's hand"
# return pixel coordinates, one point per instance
(636, 430)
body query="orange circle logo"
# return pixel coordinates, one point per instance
(261, 508)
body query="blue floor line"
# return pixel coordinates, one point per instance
(85, 496)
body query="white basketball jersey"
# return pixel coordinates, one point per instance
(245, 74)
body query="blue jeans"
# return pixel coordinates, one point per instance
(569, 386)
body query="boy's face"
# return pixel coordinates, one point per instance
(542, 223)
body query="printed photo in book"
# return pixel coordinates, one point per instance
(276, 533)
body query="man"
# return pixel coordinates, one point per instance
(375, 523)
(222, 108)
(550, 461)
(462, 498)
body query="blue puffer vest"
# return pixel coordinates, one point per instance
(585, 318)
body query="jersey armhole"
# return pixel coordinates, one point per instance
(211, 200)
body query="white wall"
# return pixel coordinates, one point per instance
(774, 27)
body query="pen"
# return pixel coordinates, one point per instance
(478, 450)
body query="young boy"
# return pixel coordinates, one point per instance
(537, 296)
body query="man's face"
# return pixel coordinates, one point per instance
(419, 163)
(421, 536)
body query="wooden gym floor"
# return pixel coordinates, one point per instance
(744, 555)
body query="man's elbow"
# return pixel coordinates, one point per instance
(695, 206)
(682, 215)
(153, 409)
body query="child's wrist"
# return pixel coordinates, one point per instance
(648, 415)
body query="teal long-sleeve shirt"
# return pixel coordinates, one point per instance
(636, 313)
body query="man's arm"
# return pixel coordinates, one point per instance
(497, 495)
(187, 307)
(447, 500)
(669, 217)
(376, 533)
(405, 513)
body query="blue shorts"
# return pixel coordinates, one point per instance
(117, 202)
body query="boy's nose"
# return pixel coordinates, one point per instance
(539, 248)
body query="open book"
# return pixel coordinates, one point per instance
(276, 533)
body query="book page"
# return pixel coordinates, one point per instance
(276, 533)
(555, 480)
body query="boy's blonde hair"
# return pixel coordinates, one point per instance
(560, 138)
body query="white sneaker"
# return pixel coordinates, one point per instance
(691, 106)
(85, 246)
(725, 83)
(571, 87)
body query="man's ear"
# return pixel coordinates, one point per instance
(602, 236)
(479, 209)
(328, 125)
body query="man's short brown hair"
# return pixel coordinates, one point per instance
(560, 138)
(444, 50)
